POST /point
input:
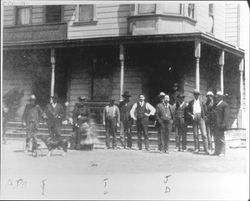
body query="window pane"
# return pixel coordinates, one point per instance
(23, 15)
(191, 10)
(86, 13)
(146, 8)
(53, 14)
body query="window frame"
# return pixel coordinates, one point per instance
(45, 15)
(211, 14)
(194, 11)
(16, 15)
(77, 16)
(138, 8)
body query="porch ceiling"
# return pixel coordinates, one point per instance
(204, 38)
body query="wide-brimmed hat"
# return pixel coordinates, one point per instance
(126, 94)
(32, 97)
(82, 98)
(196, 91)
(162, 95)
(210, 93)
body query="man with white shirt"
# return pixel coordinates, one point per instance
(197, 113)
(221, 121)
(140, 112)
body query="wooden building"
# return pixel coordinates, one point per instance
(102, 50)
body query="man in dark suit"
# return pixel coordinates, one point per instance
(55, 113)
(125, 121)
(196, 111)
(164, 115)
(31, 117)
(221, 121)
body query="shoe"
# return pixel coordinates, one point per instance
(221, 155)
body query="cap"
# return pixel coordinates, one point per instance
(167, 97)
(210, 93)
(162, 94)
(82, 98)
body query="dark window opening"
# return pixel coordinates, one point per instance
(53, 14)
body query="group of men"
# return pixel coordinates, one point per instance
(210, 117)
(172, 113)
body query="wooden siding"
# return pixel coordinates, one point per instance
(38, 14)
(231, 23)
(9, 16)
(111, 21)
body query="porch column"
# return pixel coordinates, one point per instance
(52, 59)
(197, 55)
(221, 63)
(122, 70)
(240, 114)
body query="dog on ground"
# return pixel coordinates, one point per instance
(53, 143)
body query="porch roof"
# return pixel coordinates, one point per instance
(116, 40)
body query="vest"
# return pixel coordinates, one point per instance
(141, 110)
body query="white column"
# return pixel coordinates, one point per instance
(197, 70)
(241, 83)
(122, 70)
(221, 63)
(52, 84)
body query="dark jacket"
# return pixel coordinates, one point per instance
(56, 113)
(222, 115)
(161, 112)
(125, 108)
(190, 109)
(81, 114)
(32, 113)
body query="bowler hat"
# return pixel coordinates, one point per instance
(196, 91)
(126, 94)
(210, 93)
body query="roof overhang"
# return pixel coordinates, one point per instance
(159, 38)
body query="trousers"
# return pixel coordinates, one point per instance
(110, 127)
(142, 129)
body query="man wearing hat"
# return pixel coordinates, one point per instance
(55, 113)
(111, 119)
(196, 111)
(31, 118)
(140, 112)
(81, 114)
(221, 122)
(164, 115)
(125, 121)
(209, 118)
(180, 122)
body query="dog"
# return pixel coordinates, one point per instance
(53, 143)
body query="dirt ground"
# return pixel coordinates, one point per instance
(122, 174)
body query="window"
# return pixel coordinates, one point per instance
(146, 8)
(86, 13)
(53, 14)
(191, 10)
(23, 15)
(211, 17)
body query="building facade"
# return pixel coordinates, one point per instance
(101, 50)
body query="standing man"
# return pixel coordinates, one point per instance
(111, 119)
(221, 121)
(173, 101)
(31, 118)
(210, 119)
(140, 112)
(180, 122)
(197, 113)
(164, 116)
(81, 115)
(126, 121)
(55, 113)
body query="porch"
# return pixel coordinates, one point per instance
(106, 67)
